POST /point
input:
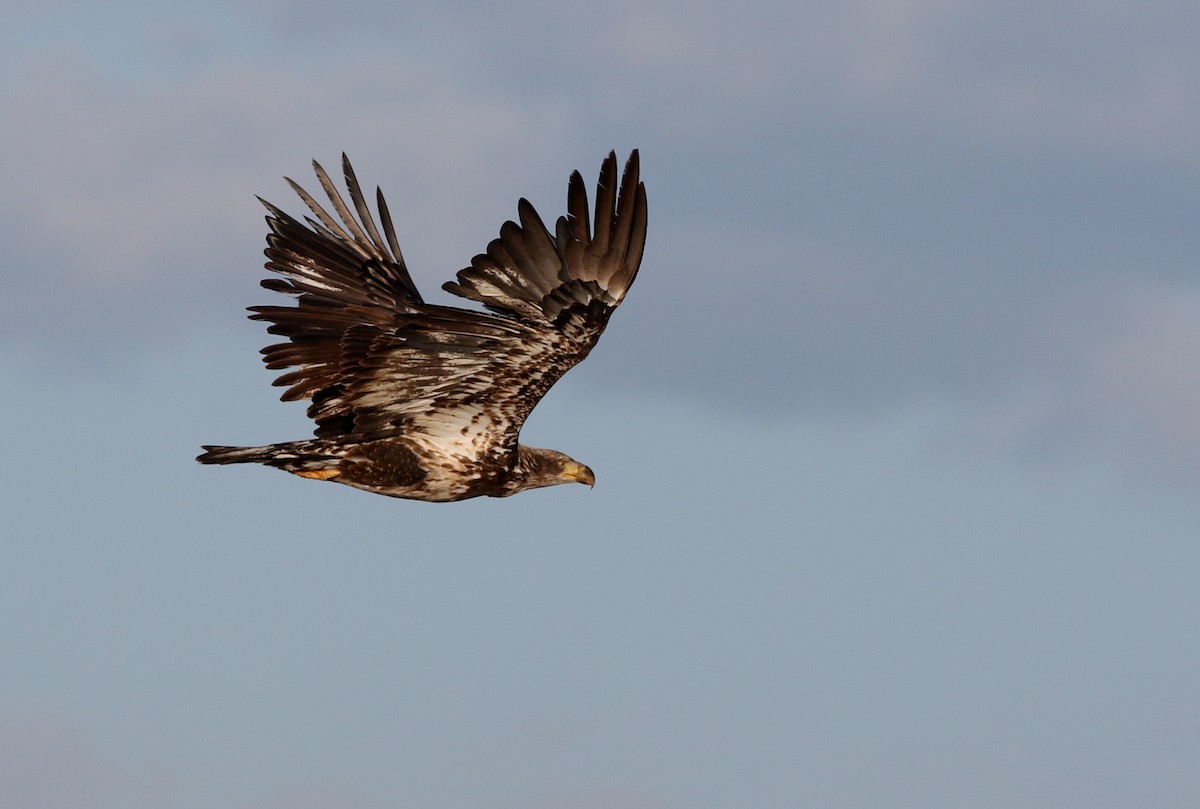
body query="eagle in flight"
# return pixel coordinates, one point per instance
(423, 401)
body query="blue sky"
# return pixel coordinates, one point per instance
(897, 437)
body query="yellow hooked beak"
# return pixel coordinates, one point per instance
(579, 473)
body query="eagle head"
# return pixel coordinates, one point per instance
(547, 467)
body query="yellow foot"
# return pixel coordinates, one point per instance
(319, 474)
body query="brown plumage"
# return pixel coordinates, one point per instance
(422, 401)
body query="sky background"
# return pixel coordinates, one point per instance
(897, 437)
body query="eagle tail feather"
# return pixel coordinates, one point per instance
(293, 456)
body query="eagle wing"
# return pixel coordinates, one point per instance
(377, 361)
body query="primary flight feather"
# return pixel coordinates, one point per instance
(423, 401)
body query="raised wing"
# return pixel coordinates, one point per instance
(346, 279)
(529, 275)
(377, 361)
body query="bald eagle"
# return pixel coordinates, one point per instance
(424, 401)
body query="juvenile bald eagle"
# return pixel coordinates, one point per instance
(427, 402)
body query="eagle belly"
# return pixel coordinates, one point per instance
(436, 468)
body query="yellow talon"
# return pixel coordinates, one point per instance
(320, 474)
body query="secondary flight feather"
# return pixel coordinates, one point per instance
(423, 401)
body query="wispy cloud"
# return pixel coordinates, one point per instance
(1146, 377)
